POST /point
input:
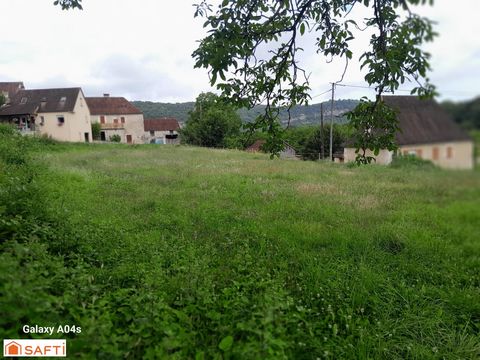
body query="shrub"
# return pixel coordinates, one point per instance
(96, 129)
(115, 138)
(410, 161)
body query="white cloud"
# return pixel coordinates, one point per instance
(142, 49)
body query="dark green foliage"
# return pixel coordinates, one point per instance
(466, 113)
(154, 110)
(69, 4)
(374, 127)
(115, 138)
(240, 31)
(96, 130)
(212, 123)
(307, 140)
(411, 161)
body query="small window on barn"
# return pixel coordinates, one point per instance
(419, 153)
(435, 153)
(102, 119)
(122, 120)
(152, 133)
(115, 121)
(449, 152)
(60, 120)
(63, 99)
(23, 101)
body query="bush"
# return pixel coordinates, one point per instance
(410, 161)
(96, 129)
(115, 138)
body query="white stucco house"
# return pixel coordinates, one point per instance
(117, 116)
(61, 114)
(426, 131)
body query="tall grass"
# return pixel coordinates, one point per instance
(178, 252)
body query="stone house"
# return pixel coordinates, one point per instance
(117, 116)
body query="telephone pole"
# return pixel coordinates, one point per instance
(331, 122)
(322, 145)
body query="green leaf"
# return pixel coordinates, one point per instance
(302, 28)
(226, 343)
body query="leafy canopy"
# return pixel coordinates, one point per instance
(241, 31)
(212, 123)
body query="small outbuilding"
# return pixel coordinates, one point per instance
(162, 131)
(428, 132)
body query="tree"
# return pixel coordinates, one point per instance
(240, 30)
(96, 130)
(212, 123)
(69, 4)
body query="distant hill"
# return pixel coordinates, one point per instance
(300, 115)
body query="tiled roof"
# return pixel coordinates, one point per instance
(107, 105)
(423, 121)
(41, 101)
(163, 124)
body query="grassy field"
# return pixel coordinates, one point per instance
(190, 253)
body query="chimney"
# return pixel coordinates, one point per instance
(106, 95)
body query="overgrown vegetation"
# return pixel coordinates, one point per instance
(212, 123)
(96, 130)
(172, 252)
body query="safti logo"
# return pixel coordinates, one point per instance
(35, 348)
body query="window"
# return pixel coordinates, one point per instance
(123, 120)
(152, 133)
(63, 99)
(449, 152)
(115, 121)
(23, 101)
(435, 153)
(102, 119)
(60, 120)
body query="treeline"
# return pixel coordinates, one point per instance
(466, 113)
(300, 115)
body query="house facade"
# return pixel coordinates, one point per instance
(61, 114)
(117, 116)
(162, 131)
(428, 132)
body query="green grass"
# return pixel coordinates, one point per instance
(178, 252)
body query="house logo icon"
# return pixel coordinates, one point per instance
(13, 348)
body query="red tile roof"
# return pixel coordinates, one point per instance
(107, 105)
(163, 124)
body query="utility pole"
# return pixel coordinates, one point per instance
(322, 145)
(331, 122)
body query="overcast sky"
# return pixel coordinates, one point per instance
(141, 49)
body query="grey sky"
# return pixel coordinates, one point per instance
(142, 49)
